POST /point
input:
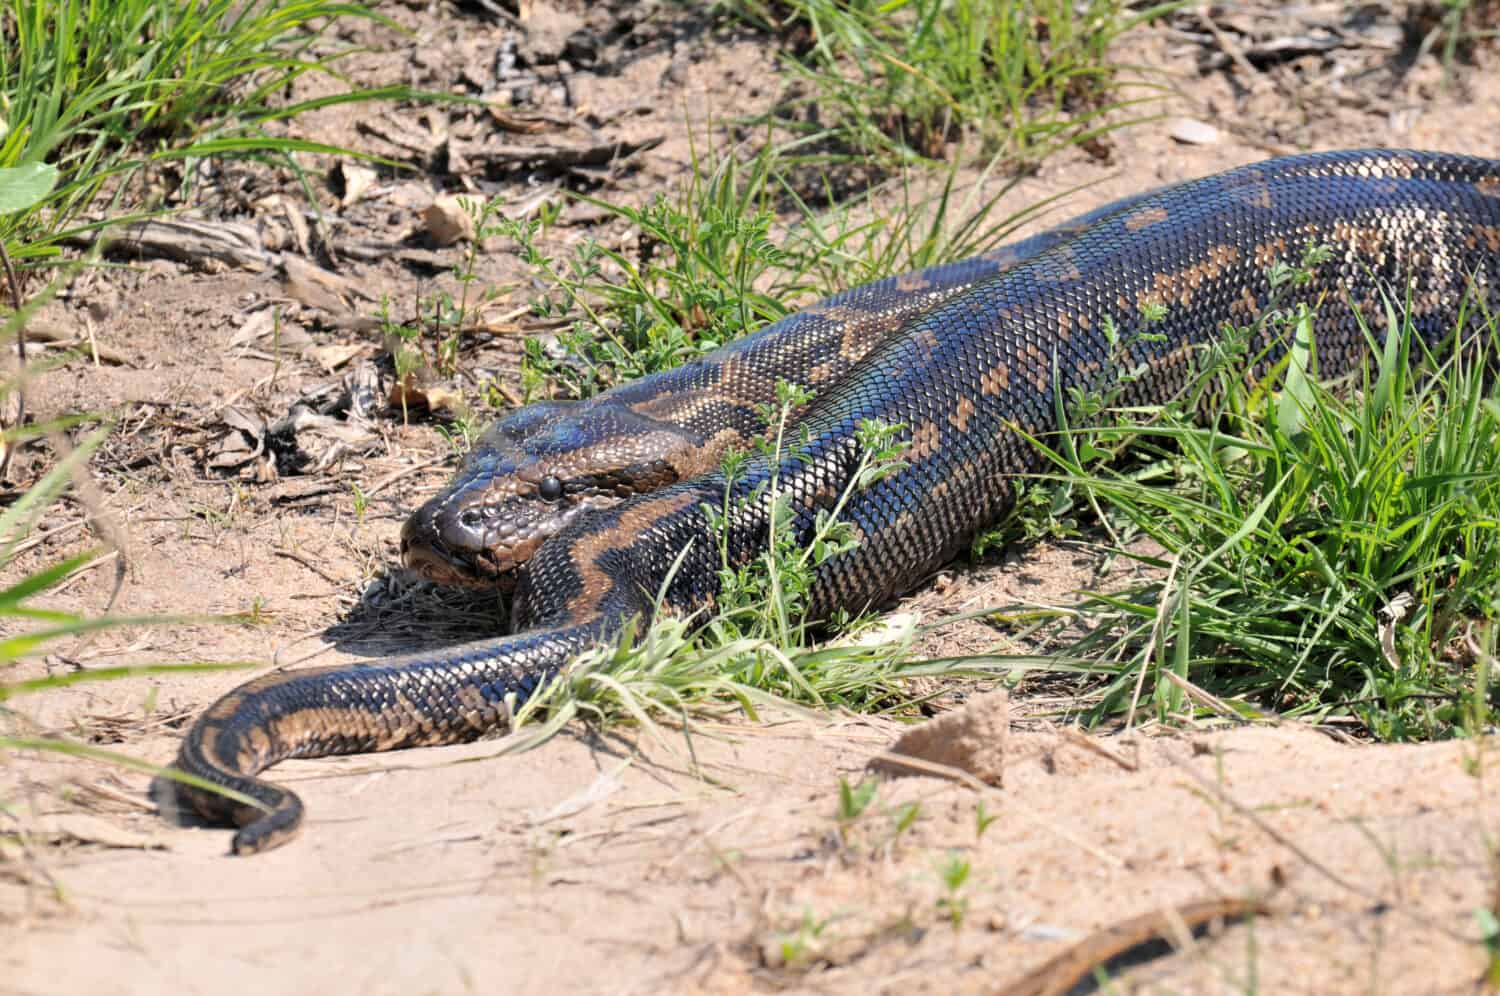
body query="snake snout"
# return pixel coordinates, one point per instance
(449, 542)
(476, 539)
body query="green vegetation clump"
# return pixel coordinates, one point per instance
(100, 89)
(1332, 555)
(900, 80)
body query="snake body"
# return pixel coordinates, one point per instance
(533, 472)
(1142, 289)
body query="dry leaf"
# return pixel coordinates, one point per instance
(446, 220)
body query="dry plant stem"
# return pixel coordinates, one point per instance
(1254, 78)
(15, 304)
(99, 520)
(1176, 924)
(1078, 738)
(1150, 651)
(1211, 701)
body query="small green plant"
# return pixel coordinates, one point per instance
(853, 801)
(982, 819)
(767, 595)
(954, 873)
(1489, 934)
(801, 947)
(904, 817)
(433, 338)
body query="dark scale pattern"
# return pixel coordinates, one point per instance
(960, 378)
(649, 433)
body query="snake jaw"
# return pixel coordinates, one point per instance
(464, 540)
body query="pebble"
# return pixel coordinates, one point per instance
(1192, 132)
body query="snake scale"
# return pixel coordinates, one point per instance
(968, 371)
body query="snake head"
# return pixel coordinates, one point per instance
(528, 476)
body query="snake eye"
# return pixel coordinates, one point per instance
(550, 489)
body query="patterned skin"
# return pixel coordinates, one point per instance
(968, 380)
(541, 467)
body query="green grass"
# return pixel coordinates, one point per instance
(100, 89)
(33, 629)
(91, 94)
(1320, 554)
(734, 249)
(900, 80)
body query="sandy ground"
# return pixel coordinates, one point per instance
(610, 863)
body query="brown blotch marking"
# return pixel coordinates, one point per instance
(1489, 186)
(207, 735)
(1490, 234)
(1245, 304)
(1266, 253)
(824, 372)
(910, 283)
(1064, 271)
(1367, 239)
(1146, 217)
(255, 748)
(1403, 166)
(230, 704)
(1179, 285)
(927, 344)
(862, 331)
(961, 415)
(995, 380)
(1251, 190)
(694, 460)
(925, 440)
(1039, 373)
(1004, 258)
(1175, 358)
(588, 549)
(1065, 326)
(479, 708)
(730, 369)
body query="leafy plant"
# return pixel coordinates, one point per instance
(954, 873)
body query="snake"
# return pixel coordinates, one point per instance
(531, 473)
(971, 380)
